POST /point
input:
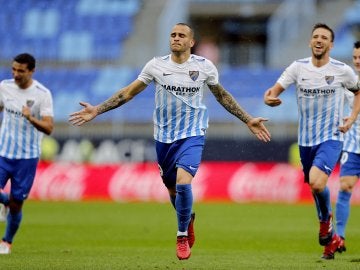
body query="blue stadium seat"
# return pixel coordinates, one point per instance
(345, 34)
(76, 46)
(108, 7)
(51, 25)
(41, 23)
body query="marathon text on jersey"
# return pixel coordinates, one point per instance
(181, 90)
(316, 91)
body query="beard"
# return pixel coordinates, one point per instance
(320, 55)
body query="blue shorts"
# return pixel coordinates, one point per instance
(324, 156)
(350, 164)
(185, 153)
(21, 173)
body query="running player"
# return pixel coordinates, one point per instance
(180, 120)
(350, 164)
(28, 114)
(320, 84)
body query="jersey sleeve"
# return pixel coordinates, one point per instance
(46, 108)
(351, 81)
(213, 74)
(146, 73)
(288, 77)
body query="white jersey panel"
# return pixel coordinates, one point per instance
(352, 137)
(19, 139)
(179, 89)
(320, 98)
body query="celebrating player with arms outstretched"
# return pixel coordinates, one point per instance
(180, 120)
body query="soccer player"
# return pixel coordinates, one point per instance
(28, 113)
(180, 120)
(320, 85)
(350, 164)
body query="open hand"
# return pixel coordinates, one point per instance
(88, 113)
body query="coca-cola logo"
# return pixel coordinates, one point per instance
(135, 182)
(250, 183)
(60, 181)
(240, 182)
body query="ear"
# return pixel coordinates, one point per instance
(192, 43)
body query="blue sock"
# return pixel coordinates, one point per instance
(323, 204)
(4, 198)
(183, 206)
(342, 211)
(12, 225)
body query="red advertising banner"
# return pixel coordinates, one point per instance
(215, 181)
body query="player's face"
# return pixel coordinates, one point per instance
(356, 59)
(321, 43)
(181, 39)
(21, 74)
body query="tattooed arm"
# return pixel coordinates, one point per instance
(255, 125)
(229, 103)
(122, 96)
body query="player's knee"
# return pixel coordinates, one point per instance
(317, 186)
(346, 186)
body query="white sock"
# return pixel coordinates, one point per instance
(182, 233)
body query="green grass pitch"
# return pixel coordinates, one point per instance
(109, 235)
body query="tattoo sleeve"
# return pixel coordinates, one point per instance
(229, 102)
(113, 102)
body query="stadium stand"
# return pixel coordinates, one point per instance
(66, 31)
(347, 32)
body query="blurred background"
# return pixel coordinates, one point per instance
(88, 49)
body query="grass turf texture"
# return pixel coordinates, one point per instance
(107, 235)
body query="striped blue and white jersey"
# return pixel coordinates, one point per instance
(320, 98)
(352, 137)
(19, 139)
(179, 89)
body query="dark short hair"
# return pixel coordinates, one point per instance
(357, 45)
(325, 26)
(26, 58)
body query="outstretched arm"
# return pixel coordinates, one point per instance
(255, 125)
(271, 95)
(122, 96)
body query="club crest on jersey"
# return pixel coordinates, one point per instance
(30, 102)
(194, 75)
(329, 79)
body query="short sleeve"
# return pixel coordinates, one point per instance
(213, 74)
(46, 108)
(146, 73)
(288, 77)
(351, 79)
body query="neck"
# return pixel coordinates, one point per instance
(180, 57)
(319, 62)
(26, 85)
